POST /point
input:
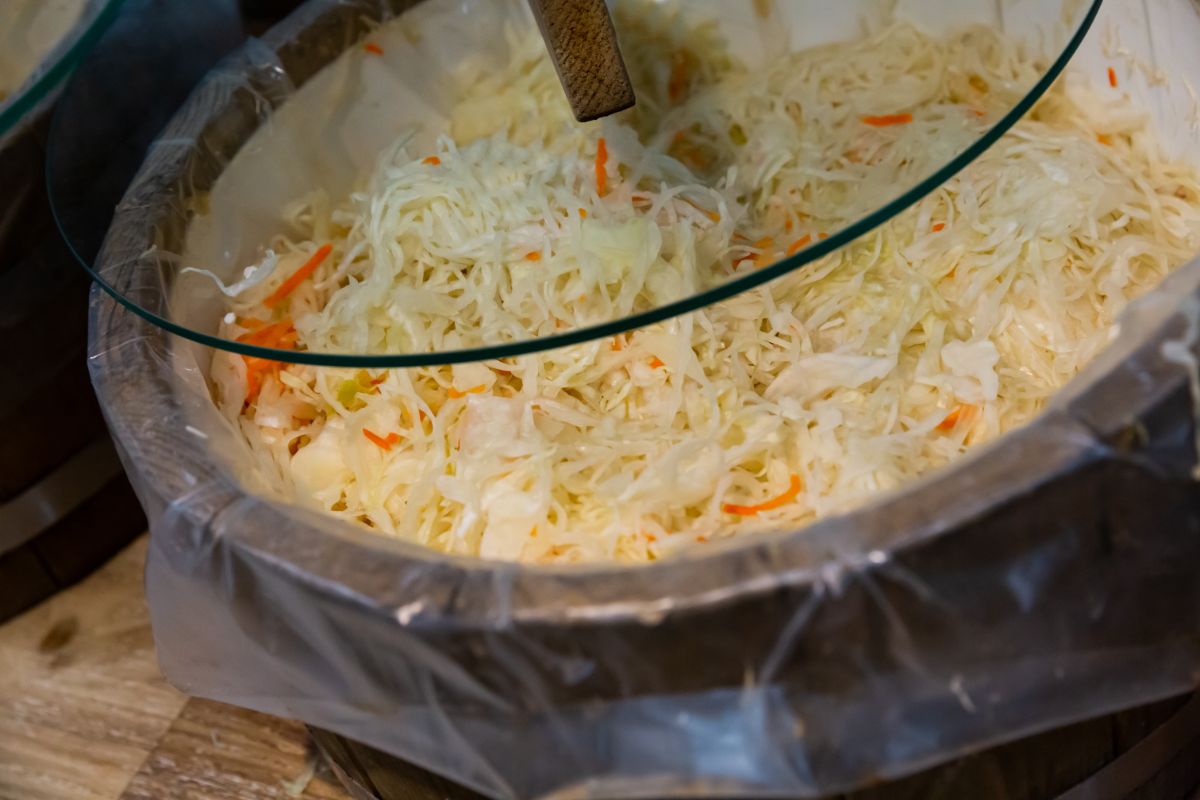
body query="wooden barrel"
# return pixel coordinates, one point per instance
(259, 15)
(1147, 753)
(65, 505)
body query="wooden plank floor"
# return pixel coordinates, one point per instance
(216, 751)
(85, 714)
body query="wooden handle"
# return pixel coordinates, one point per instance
(583, 45)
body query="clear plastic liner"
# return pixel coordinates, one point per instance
(1053, 576)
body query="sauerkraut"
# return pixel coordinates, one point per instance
(939, 331)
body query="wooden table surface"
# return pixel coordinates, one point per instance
(85, 714)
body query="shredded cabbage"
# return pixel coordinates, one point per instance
(937, 332)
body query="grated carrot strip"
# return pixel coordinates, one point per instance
(956, 416)
(678, 82)
(384, 443)
(279, 335)
(299, 276)
(373, 49)
(602, 167)
(432, 161)
(777, 502)
(455, 394)
(269, 335)
(800, 244)
(765, 257)
(1112, 77)
(887, 120)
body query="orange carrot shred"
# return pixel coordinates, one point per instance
(583, 213)
(432, 161)
(373, 48)
(269, 335)
(533, 256)
(602, 167)
(618, 344)
(761, 259)
(777, 502)
(678, 82)
(657, 362)
(696, 158)
(253, 384)
(455, 394)
(383, 443)
(299, 276)
(954, 417)
(938, 227)
(799, 244)
(822, 236)
(1104, 138)
(1112, 77)
(279, 335)
(887, 120)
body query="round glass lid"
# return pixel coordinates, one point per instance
(41, 41)
(380, 188)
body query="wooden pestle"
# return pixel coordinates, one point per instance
(583, 45)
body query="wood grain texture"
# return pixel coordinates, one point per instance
(583, 46)
(82, 701)
(86, 715)
(216, 752)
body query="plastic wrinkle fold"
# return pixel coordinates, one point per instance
(1052, 576)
